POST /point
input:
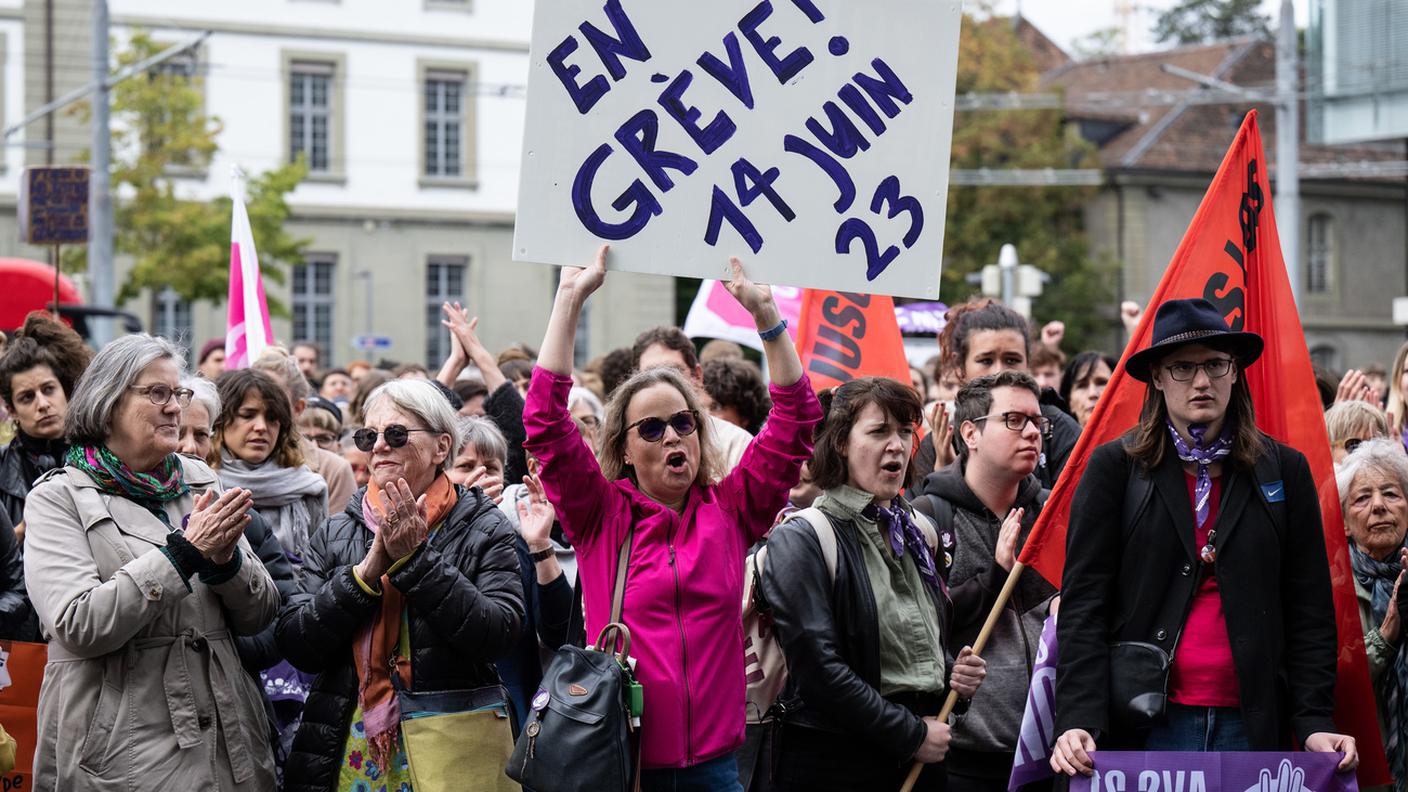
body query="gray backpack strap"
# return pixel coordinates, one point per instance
(825, 533)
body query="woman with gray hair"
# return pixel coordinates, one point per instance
(415, 584)
(139, 572)
(1373, 489)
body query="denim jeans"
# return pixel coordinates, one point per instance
(1199, 729)
(715, 775)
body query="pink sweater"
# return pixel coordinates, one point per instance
(686, 571)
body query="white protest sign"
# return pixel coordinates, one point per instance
(809, 137)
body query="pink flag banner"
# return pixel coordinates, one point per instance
(1039, 721)
(247, 329)
(715, 314)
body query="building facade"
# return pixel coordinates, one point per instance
(410, 117)
(1159, 157)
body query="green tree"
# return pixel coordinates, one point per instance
(1202, 21)
(1097, 45)
(161, 131)
(1045, 223)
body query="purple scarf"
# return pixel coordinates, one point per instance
(904, 534)
(1203, 457)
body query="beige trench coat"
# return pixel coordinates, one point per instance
(143, 689)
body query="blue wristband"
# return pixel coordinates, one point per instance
(774, 332)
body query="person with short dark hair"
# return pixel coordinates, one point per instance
(1045, 367)
(337, 387)
(309, 356)
(985, 504)
(867, 648)
(1084, 382)
(211, 363)
(616, 367)
(1221, 523)
(736, 392)
(472, 392)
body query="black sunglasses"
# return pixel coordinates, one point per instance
(1351, 444)
(396, 436)
(652, 430)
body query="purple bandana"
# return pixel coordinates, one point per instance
(903, 534)
(1203, 457)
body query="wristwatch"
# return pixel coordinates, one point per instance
(542, 555)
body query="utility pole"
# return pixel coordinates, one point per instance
(1288, 145)
(100, 252)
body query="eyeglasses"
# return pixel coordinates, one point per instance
(161, 394)
(327, 441)
(1017, 421)
(396, 436)
(1351, 444)
(1216, 368)
(652, 430)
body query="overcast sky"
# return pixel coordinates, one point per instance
(1068, 20)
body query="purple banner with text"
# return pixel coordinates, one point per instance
(1164, 771)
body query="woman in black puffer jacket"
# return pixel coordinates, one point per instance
(446, 567)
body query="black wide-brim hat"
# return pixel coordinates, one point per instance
(1183, 322)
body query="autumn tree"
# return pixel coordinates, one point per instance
(162, 137)
(1046, 224)
(1203, 21)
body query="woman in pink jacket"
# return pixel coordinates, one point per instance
(656, 472)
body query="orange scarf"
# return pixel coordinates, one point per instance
(376, 644)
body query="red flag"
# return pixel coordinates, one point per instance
(1231, 256)
(842, 336)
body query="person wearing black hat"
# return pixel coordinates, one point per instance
(1196, 610)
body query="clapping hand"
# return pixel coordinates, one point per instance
(536, 516)
(402, 518)
(1007, 539)
(216, 524)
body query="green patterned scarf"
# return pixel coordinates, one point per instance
(152, 489)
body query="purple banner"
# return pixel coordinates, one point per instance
(921, 317)
(1032, 762)
(1152, 771)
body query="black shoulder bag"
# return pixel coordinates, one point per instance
(579, 733)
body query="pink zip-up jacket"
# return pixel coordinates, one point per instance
(685, 578)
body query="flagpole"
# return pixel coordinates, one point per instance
(978, 646)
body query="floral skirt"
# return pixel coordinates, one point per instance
(360, 773)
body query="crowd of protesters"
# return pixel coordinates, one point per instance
(238, 573)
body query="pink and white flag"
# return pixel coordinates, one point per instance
(716, 314)
(1032, 762)
(247, 329)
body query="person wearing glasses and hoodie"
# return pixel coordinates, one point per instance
(653, 482)
(982, 504)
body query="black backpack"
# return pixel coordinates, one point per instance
(580, 733)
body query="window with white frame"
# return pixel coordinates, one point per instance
(444, 124)
(171, 318)
(1320, 254)
(313, 299)
(310, 107)
(444, 282)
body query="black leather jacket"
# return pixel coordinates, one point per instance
(18, 622)
(831, 638)
(465, 604)
(22, 462)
